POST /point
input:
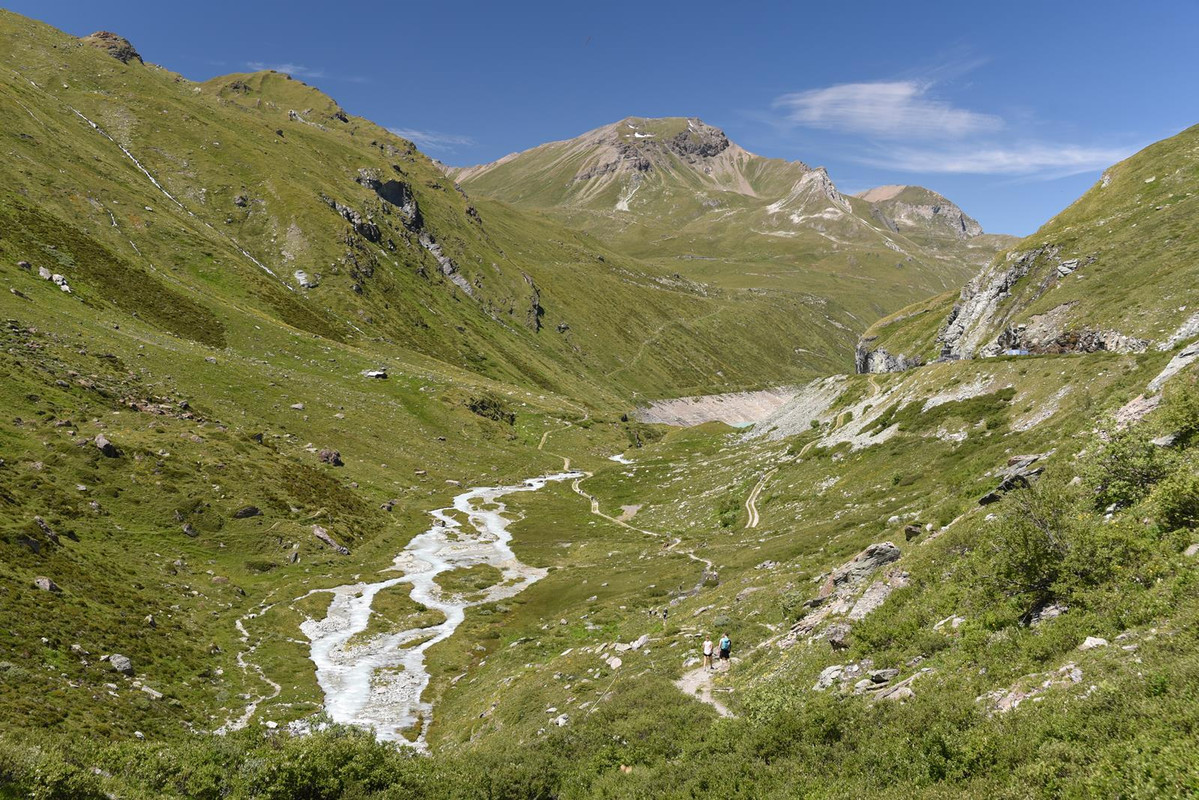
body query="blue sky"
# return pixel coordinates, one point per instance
(1010, 109)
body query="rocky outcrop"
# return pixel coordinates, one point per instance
(979, 304)
(1018, 474)
(700, 140)
(362, 225)
(121, 664)
(106, 447)
(46, 585)
(878, 360)
(838, 601)
(330, 457)
(116, 46)
(396, 193)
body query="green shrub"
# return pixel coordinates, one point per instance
(1179, 414)
(1176, 500)
(1125, 468)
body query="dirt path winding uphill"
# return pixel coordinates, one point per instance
(698, 684)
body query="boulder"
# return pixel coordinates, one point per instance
(1093, 642)
(45, 584)
(910, 532)
(331, 457)
(121, 664)
(380, 374)
(106, 447)
(190, 530)
(246, 512)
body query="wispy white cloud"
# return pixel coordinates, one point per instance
(886, 109)
(906, 125)
(434, 140)
(294, 70)
(1042, 160)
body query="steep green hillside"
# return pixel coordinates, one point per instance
(257, 195)
(677, 191)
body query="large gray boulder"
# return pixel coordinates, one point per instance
(121, 664)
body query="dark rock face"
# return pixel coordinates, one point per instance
(246, 512)
(116, 46)
(535, 312)
(396, 193)
(699, 141)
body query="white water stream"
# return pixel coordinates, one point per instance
(378, 683)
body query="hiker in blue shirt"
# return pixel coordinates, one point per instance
(726, 644)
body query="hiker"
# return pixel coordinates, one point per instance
(726, 644)
(708, 653)
(664, 613)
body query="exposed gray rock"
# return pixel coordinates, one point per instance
(247, 511)
(46, 529)
(878, 360)
(1093, 642)
(45, 584)
(106, 447)
(378, 374)
(324, 536)
(1020, 472)
(854, 572)
(190, 530)
(305, 280)
(121, 664)
(331, 457)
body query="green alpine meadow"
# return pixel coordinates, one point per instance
(345, 459)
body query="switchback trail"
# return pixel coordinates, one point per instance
(751, 503)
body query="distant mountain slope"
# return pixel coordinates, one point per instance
(1115, 271)
(678, 191)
